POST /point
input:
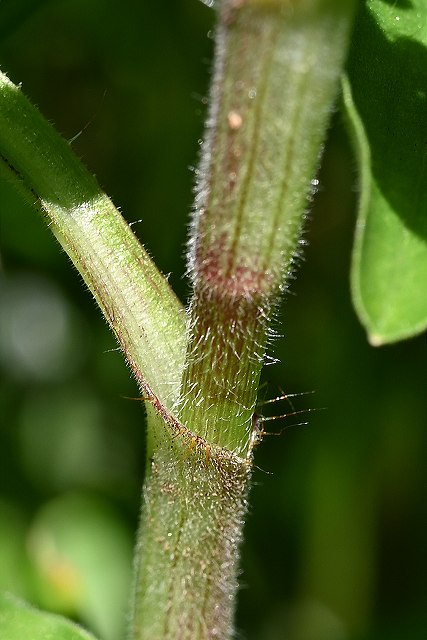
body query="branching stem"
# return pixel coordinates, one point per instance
(276, 74)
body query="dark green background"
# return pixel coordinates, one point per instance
(335, 545)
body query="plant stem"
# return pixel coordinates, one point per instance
(135, 298)
(276, 76)
(275, 81)
(193, 513)
(276, 72)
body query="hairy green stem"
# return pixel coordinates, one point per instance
(135, 298)
(275, 80)
(276, 72)
(193, 514)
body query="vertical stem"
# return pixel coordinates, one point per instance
(193, 513)
(276, 72)
(275, 80)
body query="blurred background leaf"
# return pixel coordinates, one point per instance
(335, 544)
(14, 12)
(18, 620)
(82, 553)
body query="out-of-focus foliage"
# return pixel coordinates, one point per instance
(18, 620)
(13, 12)
(388, 74)
(335, 538)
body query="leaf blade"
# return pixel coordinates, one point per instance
(388, 73)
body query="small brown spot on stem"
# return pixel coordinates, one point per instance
(235, 120)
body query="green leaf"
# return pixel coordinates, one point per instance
(19, 620)
(82, 554)
(15, 569)
(388, 114)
